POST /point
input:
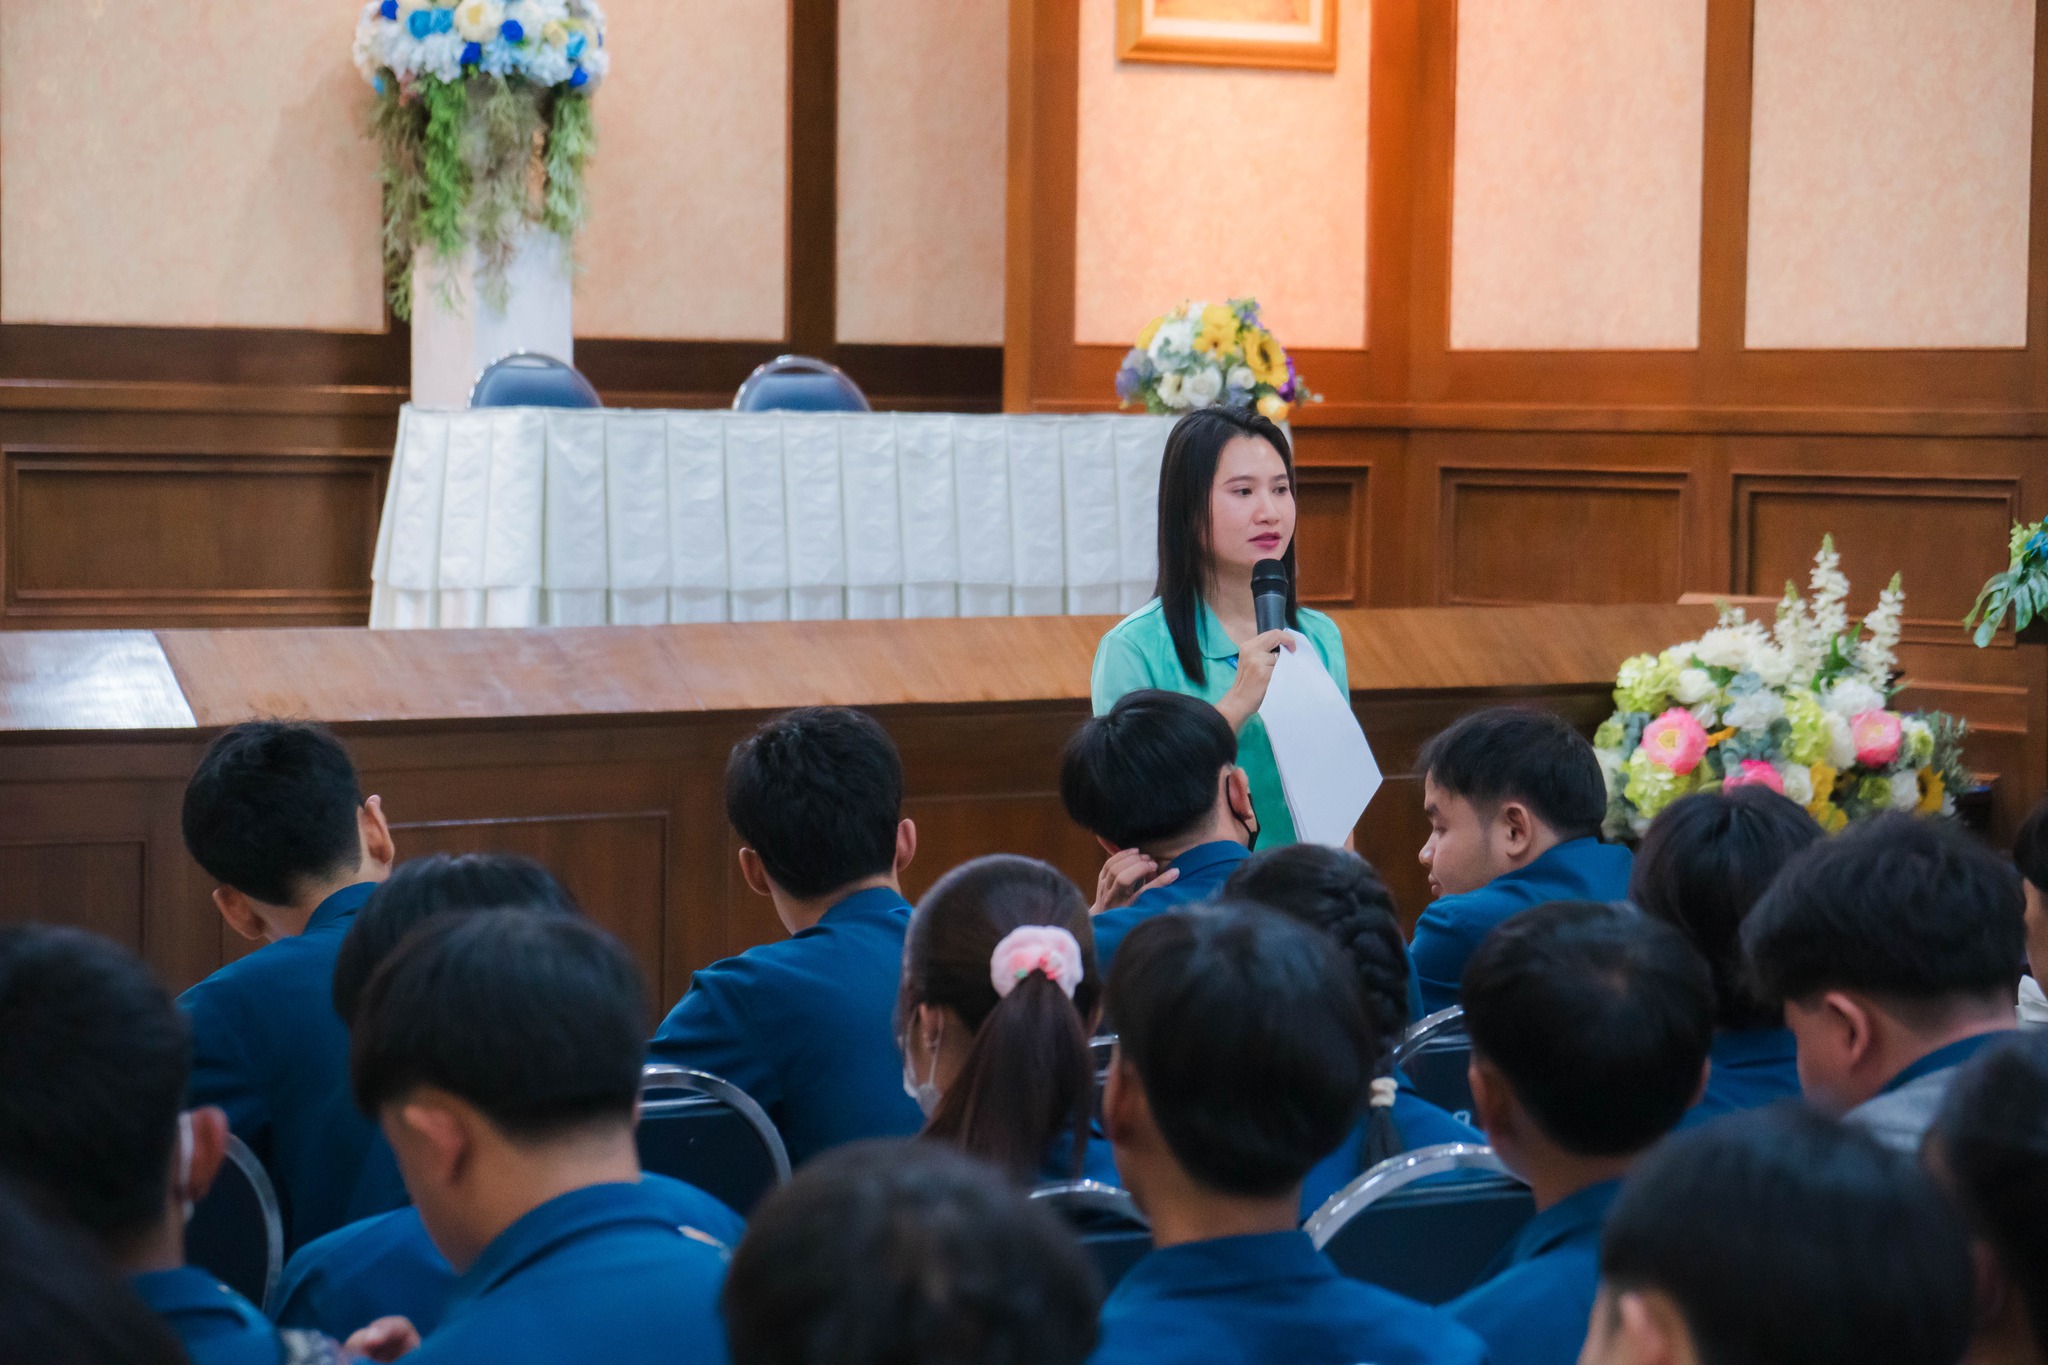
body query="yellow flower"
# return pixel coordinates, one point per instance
(1218, 335)
(1273, 408)
(1151, 330)
(1263, 354)
(1833, 819)
(1931, 793)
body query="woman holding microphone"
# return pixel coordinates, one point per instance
(1226, 501)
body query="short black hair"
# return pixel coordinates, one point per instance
(1599, 1018)
(1789, 1238)
(1146, 769)
(902, 1253)
(1245, 1029)
(61, 1303)
(2030, 848)
(272, 809)
(817, 792)
(1898, 907)
(1520, 753)
(538, 1019)
(1702, 867)
(442, 884)
(93, 1063)
(1991, 1142)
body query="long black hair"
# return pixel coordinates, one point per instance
(1186, 476)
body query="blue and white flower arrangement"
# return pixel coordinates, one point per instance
(483, 120)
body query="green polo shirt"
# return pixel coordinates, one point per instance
(1138, 652)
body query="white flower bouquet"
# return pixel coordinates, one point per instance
(1803, 708)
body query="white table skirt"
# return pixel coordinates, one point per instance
(533, 516)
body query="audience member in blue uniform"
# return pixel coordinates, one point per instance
(501, 1054)
(93, 1066)
(276, 816)
(894, 1253)
(386, 1265)
(1896, 949)
(999, 997)
(1339, 893)
(1706, 861)
(60, 1305)
(1514, 799)
(2030, 855)
(1243, 1060)
(1155, 780)
(1781, 1237)
(1590, 1025)
(804, 1025)
(1986, 1148)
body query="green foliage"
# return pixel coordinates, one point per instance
(400, 129)
(2022, 589)
(572, 137)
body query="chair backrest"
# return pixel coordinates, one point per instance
(698, 1128)
(236, 1233)
(799, 383)
(1106, 1220)
(528, 379)
(1403, 1227)
(1433, 1055)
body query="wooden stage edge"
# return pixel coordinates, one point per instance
(601, 750)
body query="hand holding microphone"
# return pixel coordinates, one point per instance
(1256, 657)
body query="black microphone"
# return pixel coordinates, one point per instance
(1269, 594)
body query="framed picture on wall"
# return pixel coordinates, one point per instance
(1291, 33)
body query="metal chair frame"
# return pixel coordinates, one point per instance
(1427, 1030)
(662, 1076)
(549, 362)
(1092, 1196)
(1393, 1174)
(808, 364)
(238, 1155)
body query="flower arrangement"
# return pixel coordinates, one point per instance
(1202, 354)
(2022, 589)
(482, 119)
(1802, 708)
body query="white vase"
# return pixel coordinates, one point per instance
(456, 332)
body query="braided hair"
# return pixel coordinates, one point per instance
(1338, 892)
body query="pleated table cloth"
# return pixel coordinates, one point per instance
(538, 516)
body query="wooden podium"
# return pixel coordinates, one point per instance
(601, 751)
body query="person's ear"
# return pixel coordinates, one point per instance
(1517, 827)
(1237, 793)
(208, 1126)
(906, 844)
(1125, 1112)
(1107, 847)
(755, 873)
(239, 910)
(1493, 1107)
(1853, 1024)
(379, 851)
(1649, 1330)
(434, 1135)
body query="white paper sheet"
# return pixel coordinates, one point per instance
(1326, 766)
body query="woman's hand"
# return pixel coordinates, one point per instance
(1255, 660)
(385, 1339)
(1126, 874)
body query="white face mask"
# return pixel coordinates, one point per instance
(184, 1190)
(926, 1092)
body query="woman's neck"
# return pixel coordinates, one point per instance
(1229, 596)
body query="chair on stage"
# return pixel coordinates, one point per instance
(528, 379)
(1433, 1241)
(697, 1128)
(1107, 1221)
(1433, 1055)
(799, 383)
(236, 1233)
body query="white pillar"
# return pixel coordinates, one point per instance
(456, 333)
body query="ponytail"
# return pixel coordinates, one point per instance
(1027, 1079)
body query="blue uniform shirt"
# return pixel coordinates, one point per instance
(1203, 870)
(1268, 1298)
(1420, 1123)
(387, 1264)
(1098, 1162)
(604, 1273)
(216, 1325)
(1533, 1309)
(1751, 1068)
(268, 1048)
(1451, 928)
(807, 1027)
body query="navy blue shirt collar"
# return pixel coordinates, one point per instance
(876, 900)
(188, 1290)
(1571, 850)
(1226, 1263)
(1207, 857)
(1574, 1217)
(1942, 1058)
(344, 902)
(565, 1218)
(1753, 1047)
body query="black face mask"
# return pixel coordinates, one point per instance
(1251, 832)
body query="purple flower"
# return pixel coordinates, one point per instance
(472, 53)
(388, 10)
(420, 23)
(512, 31)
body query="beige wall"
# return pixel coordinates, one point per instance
(1576, 188)
(1204, 182)
(1889, 173)
(923, 104)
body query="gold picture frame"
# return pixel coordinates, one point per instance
(1299, 34)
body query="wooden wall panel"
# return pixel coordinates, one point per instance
(90, 884)
(1552, 536)
(1333, 528)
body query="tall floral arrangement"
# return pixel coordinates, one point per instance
(1203, 354)
(482, 121)
(1802, 707)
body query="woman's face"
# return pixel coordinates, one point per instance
(1251, 506)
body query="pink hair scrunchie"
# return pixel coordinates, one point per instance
(1045, 948)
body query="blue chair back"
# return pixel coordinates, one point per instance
(1106, 1219)
(237, 1233)
(1433, 1055)
(799, 383)
(528, 379)
(1426, 1224)
(697, 1128)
